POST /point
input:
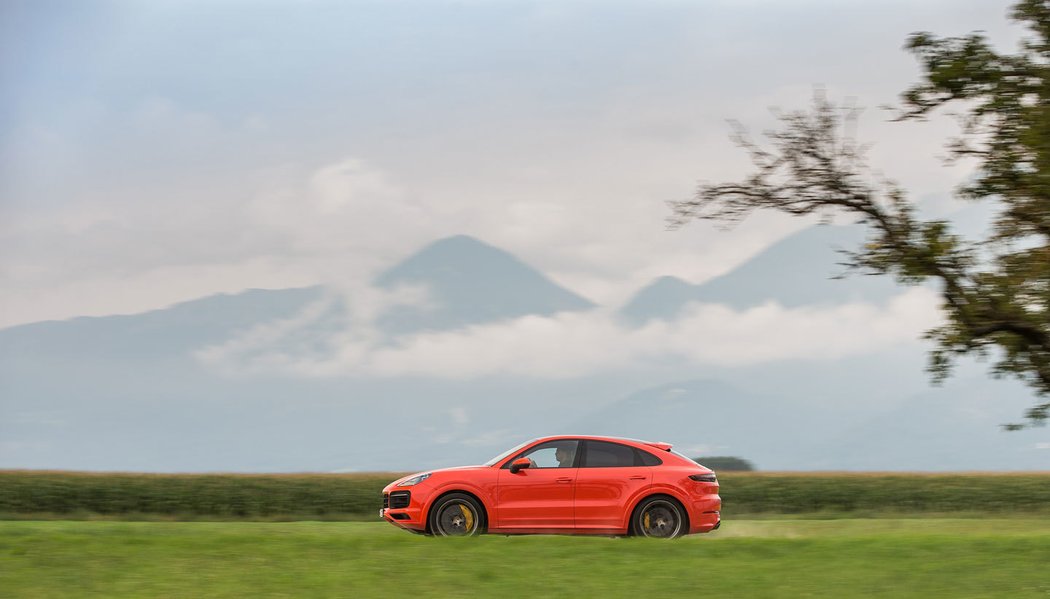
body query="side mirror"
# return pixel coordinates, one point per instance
(519, 464)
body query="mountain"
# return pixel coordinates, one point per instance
(955, 425)
(797, 271)
(467, 282)
(164, 333)
(708, 417)
(127, 393)
(470, 282)
(950, 428)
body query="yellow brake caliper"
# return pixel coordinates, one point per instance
(468, 515)
(645, 520)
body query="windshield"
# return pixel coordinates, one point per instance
(507, 453)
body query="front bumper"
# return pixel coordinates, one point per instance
(411, 517)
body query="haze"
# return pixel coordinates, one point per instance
(458, 211)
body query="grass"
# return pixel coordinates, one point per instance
(932, 557)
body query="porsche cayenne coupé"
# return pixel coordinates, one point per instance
(563, 484)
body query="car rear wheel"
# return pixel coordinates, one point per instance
(659, 518)
(457, 515)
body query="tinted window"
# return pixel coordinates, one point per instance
(552, 454)
(601, 454)
(647, 459)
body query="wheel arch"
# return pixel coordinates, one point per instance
(445, 492)
(657, 493)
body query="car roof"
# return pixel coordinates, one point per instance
(662, 449)
(627, 440)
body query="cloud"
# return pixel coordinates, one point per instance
(339, 186)
(337, 159)
(459, 416)
(336, 223)
(570, 345)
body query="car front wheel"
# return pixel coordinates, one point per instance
(456, 515)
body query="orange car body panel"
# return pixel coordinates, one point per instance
(532, 499)
(574, 500)
(602, 495)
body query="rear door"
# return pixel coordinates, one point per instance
(539, 497)
(610, 475)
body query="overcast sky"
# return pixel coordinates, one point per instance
(152, 152)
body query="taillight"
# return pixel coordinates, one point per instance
(708, 477)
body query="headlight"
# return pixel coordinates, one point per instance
(415, 480)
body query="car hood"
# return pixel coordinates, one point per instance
(438, 471)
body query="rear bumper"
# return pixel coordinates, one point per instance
(705, 514)
(706, 522)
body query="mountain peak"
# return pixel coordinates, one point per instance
(799, 270)
(664, 297)
(462, 253)
(469, 282)
(669, 283)
(459, 241)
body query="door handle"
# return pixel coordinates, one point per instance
(563, 480)
(637, 477)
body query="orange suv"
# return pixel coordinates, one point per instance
(564, 484)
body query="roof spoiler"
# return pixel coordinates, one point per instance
(661, 446)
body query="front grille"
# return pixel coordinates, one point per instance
(400, 499)
(386, 500)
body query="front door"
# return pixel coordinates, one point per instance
(539, 497)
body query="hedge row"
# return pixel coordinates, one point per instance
(206, 495)
(360, 495)
(796, 493)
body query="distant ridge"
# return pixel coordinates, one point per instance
(719, 415)
(130, 392)
(164, 332)
(797, 271)
(471, 282)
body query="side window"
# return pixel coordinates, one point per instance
(552, 454)
(602, 454)
(647, 459)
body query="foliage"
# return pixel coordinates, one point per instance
(725, 463)
(843, 493)
(193, 495)
(340, 496)
(996, 291)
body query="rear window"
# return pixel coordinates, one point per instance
(648, 459)
(603, 454)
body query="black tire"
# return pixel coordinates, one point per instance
(659, 517)
(456, 515)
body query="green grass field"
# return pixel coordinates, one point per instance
(931, 557)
